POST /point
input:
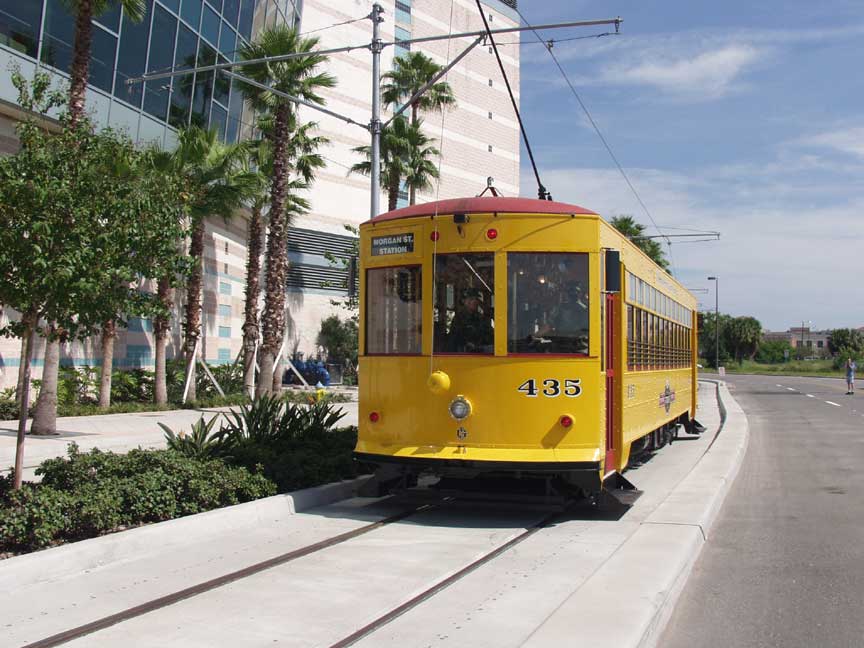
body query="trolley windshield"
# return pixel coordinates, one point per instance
(547, 303)
(464, 303)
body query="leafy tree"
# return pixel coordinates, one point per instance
(742, 335)
(848, 339)
(85, 226)
(338, 338)
(216, 181)
(410, 73)
(634, 231)
(298, 77)
(774, 351)
(708, 339)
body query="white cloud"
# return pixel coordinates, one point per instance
(845, 140)
(709, 74)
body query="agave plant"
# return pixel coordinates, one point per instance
(202, 442)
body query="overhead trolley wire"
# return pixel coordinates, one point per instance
(542, 193)
(602, 138)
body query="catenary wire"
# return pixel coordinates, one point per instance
(602, 139)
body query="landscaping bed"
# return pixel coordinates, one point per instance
(266, 447)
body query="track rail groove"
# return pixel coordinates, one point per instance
(213, 583)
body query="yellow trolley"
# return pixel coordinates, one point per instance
(510, 336)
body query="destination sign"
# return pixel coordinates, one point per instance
(393, 244)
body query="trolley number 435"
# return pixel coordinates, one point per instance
(551, 387)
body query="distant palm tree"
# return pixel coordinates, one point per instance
(410, 73)
(405, 152)
(297, 77)
(217, 181)
(628, 226)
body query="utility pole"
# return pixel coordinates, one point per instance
(377, 17)
(716, 281)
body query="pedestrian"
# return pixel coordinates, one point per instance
(850, 376)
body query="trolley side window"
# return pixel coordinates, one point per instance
(547, 302)
(464, 303)
(393, 310)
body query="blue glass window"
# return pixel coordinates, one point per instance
(210, 25)
(224, 310)
(161, 58)
(58, 37)
(227, 41)
(235, 111)
(222, 85)
(203, 86)
(173, 5)
(224, 288)
(102, 52)
(218, 119)
(131, 59)
(247, 11)
(224, 331)
(403, 12)
(19, 25)
(181, 97)
(230, 11)
(190, 11)
(400, 49)
(110, 17)
(224, 356)
(138, 355)
(140, 324)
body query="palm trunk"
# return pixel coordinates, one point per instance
(80, 61)
(253, 289)
(29, 319)
(277, 262)
(392, 193)
(45, 412)
(109, 334)
(278, 371)
(161, 327)
(412, 191)
(192, 326)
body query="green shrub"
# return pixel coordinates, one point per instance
(87, 494)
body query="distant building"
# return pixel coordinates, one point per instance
(801, 337)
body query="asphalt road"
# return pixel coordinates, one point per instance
(784, 565)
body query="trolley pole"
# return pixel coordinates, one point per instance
(375, 124)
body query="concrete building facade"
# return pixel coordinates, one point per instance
(478, 138)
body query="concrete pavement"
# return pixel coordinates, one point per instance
(115, 432)
(589, 578)
(785, 565)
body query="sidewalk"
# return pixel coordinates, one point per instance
(115, 432)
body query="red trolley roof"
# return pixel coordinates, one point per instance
(485, 205)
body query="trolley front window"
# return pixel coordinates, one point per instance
(464, 307)
(547, 302)
(393, 310)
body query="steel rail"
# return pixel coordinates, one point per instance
(194, 590)
(398, 611)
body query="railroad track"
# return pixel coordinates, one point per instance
(167, 600)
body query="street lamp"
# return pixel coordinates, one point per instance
(716, 281)
(809, 324)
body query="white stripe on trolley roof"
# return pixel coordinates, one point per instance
(834, 404)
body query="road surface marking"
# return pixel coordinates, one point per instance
(779, 385)
(810, 396)
(834, 404)
(790, 389)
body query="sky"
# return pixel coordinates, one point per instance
(740, 117)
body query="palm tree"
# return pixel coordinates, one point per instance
(635, 231)
(217, 182)
(410, 73)
(404, 152)
(297, 77)
(45, 412)
(85, 11)
(303, 158)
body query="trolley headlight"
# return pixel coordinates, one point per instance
(460, 408)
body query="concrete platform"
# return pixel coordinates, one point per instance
(590, 580)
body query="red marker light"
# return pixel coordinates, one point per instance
(566, 421)
(434, 236)
(491, 234)
(374, 417)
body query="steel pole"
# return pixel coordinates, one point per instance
(375, 123)
(716, 281)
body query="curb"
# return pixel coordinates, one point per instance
(642, 580)
(179, 534)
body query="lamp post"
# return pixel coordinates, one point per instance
(716, 281)
(809, 324)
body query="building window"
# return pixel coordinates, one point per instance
(820, 344)
(224, 331)
(224, 288)
(19, 25)
(490, 148)
(224, 356)
(224, 310)
(490, 115)
(403, 11)
(140, 325)
(401, 49)
(226, 247)
(490, 83)
(225, 268)
(138, 355)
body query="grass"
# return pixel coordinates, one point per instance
(821, 368)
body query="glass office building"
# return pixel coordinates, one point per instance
(174, 33)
